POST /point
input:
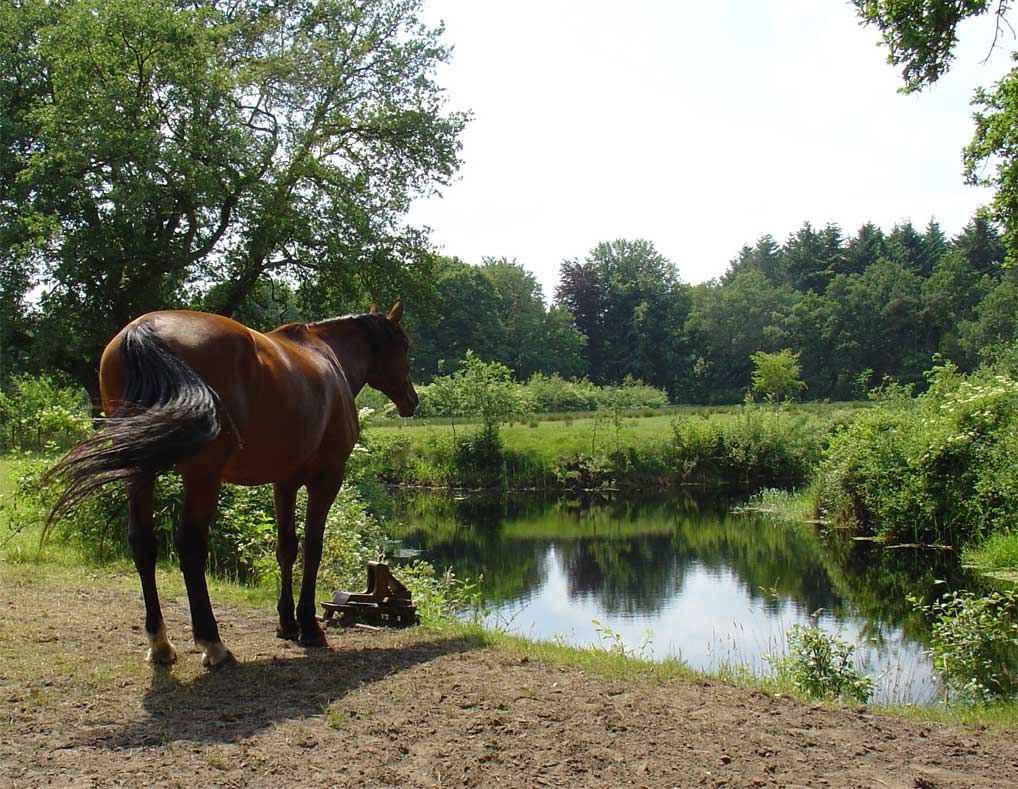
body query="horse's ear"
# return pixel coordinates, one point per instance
(396, 313)
(373, 310)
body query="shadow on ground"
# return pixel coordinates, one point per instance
(243, 699)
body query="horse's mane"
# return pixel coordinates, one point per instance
(379, 329)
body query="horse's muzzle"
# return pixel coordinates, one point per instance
(407, 403)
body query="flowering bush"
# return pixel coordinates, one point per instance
(942, 467)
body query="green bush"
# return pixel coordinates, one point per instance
(352, 538)
(820, 666)
(942, 467)
(38, 410)
(554, 394)
(758, 446)
(974, 644)
(632, 394)
(441, 597)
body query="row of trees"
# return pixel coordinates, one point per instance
(854, 309)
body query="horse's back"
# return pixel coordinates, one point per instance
(221, 350)
(279, 398)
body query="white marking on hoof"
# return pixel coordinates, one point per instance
(214, 654)
(160, 650)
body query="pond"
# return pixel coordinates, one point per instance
(681, 577)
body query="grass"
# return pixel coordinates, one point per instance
(789, 505)
(996, 556)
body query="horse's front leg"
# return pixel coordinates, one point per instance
(201, 493)
(142, 538)
(285, 496)
(321, 495)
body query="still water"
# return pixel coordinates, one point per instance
(681, 578)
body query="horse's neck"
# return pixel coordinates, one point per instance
(352, 349)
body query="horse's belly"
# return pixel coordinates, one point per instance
(247, 467)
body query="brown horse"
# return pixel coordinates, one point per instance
(222, 402)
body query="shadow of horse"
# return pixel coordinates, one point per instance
(236, 703)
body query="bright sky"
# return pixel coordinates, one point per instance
(697, 126)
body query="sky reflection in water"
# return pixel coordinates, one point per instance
(676, 578)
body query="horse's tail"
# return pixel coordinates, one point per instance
(167, 413)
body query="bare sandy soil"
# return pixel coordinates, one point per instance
(80, 708)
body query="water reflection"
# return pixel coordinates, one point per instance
(709, 586)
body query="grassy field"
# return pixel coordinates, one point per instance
(747, 445)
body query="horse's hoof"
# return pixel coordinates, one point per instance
(288, 633)
(216, 655)
(313, 638)
(164, 656)
(160, 650)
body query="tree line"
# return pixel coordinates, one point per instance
(856, 309)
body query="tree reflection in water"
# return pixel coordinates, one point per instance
(681, 567)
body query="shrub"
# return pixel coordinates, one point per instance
(758, 446)
(352, 538)
(37, 410)
(632, 394)
(554, 394)
(974, 644)
(820, 666)
(937, 468)
(441, 597)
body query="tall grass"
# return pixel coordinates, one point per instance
(748, 446)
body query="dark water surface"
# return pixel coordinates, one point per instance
(682, 577)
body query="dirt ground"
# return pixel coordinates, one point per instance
(79, 707)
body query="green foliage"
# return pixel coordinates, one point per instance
(940, 467)
(241, 541)
(37, 410)
(920, 37)
(482, 389)
(353, 537)
(820, 666)
(758, 446)
(776, 375)
(447, 396)
(150, 145)
(974, 644)
(442, 597)
(480, 451)
(552, 393)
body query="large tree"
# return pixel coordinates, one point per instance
(629, 302)
(154, 148)
(920, 36)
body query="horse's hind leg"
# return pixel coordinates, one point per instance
(285, 496)
(201, 492)
(142, 538)
(321, 494)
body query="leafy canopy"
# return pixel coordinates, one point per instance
(154, 149)
(920, 36)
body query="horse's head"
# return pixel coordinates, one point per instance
(389, 371)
